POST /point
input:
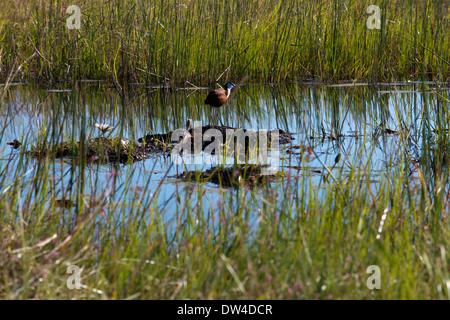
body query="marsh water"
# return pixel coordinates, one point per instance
(359, 122)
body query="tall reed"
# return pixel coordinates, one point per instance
(195, 42)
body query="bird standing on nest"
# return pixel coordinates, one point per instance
(217, 98)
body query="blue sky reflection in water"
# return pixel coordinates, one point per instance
(360, 122)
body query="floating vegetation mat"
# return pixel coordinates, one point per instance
(247, 175)
(123, 150)
(94, 150)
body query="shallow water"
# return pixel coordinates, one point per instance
(357, 115)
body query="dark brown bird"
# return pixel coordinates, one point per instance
(15, 144)
(216, 98)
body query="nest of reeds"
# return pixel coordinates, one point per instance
(166, 141)
(236, 176)
(122, 150)
(93, 150)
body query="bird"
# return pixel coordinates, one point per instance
(186, 135)
(188, 124)
(15, 144)
(125, 142)
(217, 97)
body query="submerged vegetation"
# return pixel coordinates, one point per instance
(196, 42)
(236, 176)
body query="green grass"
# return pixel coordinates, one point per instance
(311, 247)
(192, 42)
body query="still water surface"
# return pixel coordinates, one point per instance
(364, 119)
